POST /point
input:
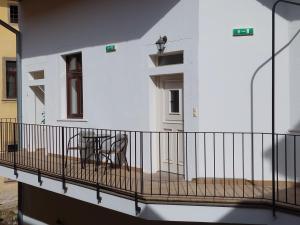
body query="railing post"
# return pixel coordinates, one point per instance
(136, 201)
(63, 159)
(99, 198)
(14, 150)
(142, 161)
(273, 109)
(40, 177)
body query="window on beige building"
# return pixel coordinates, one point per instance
(13, 13)
(11, 80)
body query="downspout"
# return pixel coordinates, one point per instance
(273, 94)
(20, 203)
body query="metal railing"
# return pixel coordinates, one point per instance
(166, 166)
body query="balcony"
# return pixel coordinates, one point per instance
(215, 168)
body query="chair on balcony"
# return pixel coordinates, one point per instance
(85, 144)
(114, 146)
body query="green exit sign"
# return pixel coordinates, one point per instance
(243, 32)
(110, 48)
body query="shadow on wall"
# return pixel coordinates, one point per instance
(54, 209)
(289, 13)
(256, 73)
(287, 150)
(287, 182)
(69, 26)
(284, 10)
(285, 144)
(287, 166)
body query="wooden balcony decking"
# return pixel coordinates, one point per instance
(159, 186)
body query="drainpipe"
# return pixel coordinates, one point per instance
(273, 94)
(20, 203)
(19, 67)
(19, 105)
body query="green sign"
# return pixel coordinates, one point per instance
(110, 48)
(243, 32)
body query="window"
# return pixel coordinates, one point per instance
(11, 80)
(14, 13)
(174, 101)
(173, 58)
(74, 86)
(37, 75)
(170, 60)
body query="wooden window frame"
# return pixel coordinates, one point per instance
(4, 86)
(170, 102)
(77, 75)
(9, 13)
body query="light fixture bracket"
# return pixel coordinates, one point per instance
(161, 44)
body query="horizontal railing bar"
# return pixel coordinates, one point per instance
(157, 132)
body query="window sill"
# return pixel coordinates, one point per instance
(14, 25)
(9, 100)
(72, 120)
(294, 131)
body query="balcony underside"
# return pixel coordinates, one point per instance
(156, 187)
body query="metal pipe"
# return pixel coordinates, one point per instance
(273, 93)
(20, 203)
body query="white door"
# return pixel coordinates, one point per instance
(172, 144)
(39, 103)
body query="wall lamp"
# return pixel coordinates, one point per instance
(161, 44)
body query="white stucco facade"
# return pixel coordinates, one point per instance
(134, 36)
(226, 79)
(218, 68)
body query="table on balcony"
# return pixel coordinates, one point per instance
(98, 140)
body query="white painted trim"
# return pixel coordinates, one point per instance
(31, 221)
(36, 82)
(294, 131)
(162, 212)
(77, 192)
(213, 214)
(72, 121)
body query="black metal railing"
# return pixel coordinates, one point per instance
(206, 166)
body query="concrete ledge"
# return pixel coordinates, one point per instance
(162, 212)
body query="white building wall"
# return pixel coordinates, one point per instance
(116, 86)
(227, 79)
(228, 64)
(235, 86)
(294, 27)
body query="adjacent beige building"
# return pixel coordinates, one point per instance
(9, 12)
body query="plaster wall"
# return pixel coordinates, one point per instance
(8, 107)
(227, 79)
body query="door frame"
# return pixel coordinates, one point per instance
(157, 112)
(158, 93)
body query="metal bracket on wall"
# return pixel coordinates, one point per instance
(64, 186)
(99, 198)
(16, 172)
(40, 178)
(137, 208)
